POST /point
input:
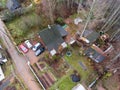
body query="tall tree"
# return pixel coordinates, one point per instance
(51, 9)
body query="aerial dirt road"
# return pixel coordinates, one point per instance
(20, 61)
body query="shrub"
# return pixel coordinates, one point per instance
(29, 22)
(60, 21)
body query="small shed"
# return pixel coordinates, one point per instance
(12, 5)
(94, 55)
(77, 21)
(92, 37)
(78, 87)
(87, 32)
(1, 74)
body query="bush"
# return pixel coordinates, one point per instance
(60, 21)
(56, 57)
(29, 22)
(74, 16)
(7, 16)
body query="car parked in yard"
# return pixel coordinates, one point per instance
(28, 44)
(39, 51)
(36, 46)
(23, 48)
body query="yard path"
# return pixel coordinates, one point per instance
(20, 61)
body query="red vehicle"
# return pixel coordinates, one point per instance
(23, 48)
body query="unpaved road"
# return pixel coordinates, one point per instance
(20, 61)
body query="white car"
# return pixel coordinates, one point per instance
(36, 46)
(28, 44)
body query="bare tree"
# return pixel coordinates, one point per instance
(51, 6)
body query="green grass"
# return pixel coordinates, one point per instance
(15, 84)
(3, 3)
(65, 83)
(74, 62)
(1, 43)
(7, 68)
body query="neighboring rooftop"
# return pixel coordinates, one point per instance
(95, 47)
(1, 74)
(12, 5)
(94, 55)
(52, 36)
(87, 32)
(92, 37)
(78, 87)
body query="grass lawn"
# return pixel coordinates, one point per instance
(74, 60)
(14, 84)
(7, 68)
(3, 3)
(65, 83)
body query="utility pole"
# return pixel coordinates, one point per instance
(88, 18)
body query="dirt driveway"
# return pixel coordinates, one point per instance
(31, 56)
